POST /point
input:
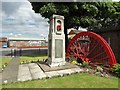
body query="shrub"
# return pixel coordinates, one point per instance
(6, 64)
(69, 59)
(84, 64)
(116, 70)
(99, 69)
(106, 75)
(74, 62)
(32, 61)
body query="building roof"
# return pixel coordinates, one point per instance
(20, 38)
(74, 32)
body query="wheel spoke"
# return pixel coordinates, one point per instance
(97, 55)
(92, 47)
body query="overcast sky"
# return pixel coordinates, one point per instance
(19, 20)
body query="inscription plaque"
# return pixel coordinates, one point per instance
(58, 48)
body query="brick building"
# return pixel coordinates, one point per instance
(3, 42)
(26, 42)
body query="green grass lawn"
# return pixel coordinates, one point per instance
(0, 87)
(4, 60)
(82, 80)
(32, 58)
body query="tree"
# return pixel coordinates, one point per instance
(84, 14)
(109, 14)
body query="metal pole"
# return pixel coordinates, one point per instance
(15, 52)
(39, 50)
(12, 52)
(20, 52)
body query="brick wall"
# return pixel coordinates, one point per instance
(26, 43)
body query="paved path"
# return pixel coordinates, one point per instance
(29, 72)
(25, 72)
(10, 73)
(33, 71)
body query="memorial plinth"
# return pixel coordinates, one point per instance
(56, 41)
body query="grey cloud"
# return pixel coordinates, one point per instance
(10, 7)
(20, 18)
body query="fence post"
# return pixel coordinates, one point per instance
(12, 52)
(20, 52)
(39, 50)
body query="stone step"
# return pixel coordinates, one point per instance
(63, 72)
(52, 74)
(33, 71)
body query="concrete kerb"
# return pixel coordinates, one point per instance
(62, 73)
(77, 70)
(52, 74)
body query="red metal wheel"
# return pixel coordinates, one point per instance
(89, 46)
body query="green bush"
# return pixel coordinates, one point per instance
(69, 59)
(74, 62)
(84, 64)
(116, 70)
(99, 69)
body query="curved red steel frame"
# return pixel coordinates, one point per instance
(97, 38)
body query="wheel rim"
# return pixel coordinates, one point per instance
(89, 46)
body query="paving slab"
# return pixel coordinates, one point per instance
(32, 65)
(23, 70)
(24, 77)
(36, 71)
(77, 70)
(38, 75)
(24, 73)
(70, 71)
(47, 68)
(34, 68)
(65, 72)
(52, 74)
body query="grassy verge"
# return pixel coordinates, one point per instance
(4, 60)
(0, 87)
(82, 80)
(32, 58)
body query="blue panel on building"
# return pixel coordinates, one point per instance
(4, 45)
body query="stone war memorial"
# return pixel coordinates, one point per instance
(56, 40)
